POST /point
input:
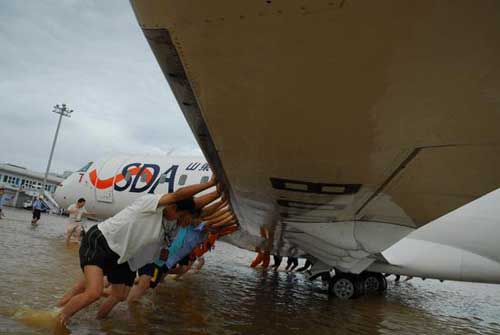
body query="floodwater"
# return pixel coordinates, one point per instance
(225, 297)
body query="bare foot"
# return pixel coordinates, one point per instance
(60, 325)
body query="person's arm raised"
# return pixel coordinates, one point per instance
(219, 219)
(228, 221)
(228, 230)
(185, 192)
(204, 200)
(220, 211)
(212, 208)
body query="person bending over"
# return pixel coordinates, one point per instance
(106, 247)
(150, 261)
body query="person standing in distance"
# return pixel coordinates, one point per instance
(74, 226)
(37, 209)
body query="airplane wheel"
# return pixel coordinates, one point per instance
(374, 282)
(346, 286)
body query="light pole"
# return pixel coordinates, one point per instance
(62, 111)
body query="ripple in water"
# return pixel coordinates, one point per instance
(226, 297)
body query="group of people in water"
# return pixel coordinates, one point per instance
(158, 234)
(263, 259)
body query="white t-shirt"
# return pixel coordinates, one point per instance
(77, 215)
(151, 252)
(134, 227)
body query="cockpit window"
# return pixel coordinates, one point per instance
(86, 167)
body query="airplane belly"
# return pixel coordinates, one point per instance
(337, 111)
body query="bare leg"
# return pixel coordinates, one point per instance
(106, 292)
(184, 270)
(78, 232)
(69, 234)
(77, 289)
(139, 289)
(118, 294)
(176, 270)
(199, 264)
(92, 292)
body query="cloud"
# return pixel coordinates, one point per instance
(92, 56)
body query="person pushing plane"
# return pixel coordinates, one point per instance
(190, 234)
(106, 248)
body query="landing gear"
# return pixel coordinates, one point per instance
(374, 282)
(346, 286)
(350, 286)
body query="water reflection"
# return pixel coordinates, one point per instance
(228, 297)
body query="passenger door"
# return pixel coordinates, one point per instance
(107, 173)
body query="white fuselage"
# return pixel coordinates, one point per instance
(111, 184)
(459, 246)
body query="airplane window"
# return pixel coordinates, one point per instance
(163, 179)
(128, 176)
(144, 177)
(85, 167)
(182, 179)
(204, 179)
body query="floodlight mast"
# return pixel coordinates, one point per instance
(62, 110)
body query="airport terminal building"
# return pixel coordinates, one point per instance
(22, 184)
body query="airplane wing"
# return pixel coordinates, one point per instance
(339, 125)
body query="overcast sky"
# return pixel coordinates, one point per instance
(92, 56)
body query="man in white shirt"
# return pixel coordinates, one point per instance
(107, 247)
(73, 226)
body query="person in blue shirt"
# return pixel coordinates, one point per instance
(2, 198)
(37, 209)
(174, 258)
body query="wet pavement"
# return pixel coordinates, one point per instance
(225, 297)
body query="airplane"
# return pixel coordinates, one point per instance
(434, 251)
(110, 184)
(346, 128)
(353, 132)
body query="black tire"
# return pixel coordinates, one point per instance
(346, 286)
(374, 282)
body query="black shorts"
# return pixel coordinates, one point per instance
(154, 271)
(184, 261)
(94, 250)
(36, 214)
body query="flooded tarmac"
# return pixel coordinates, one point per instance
(225, 297)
